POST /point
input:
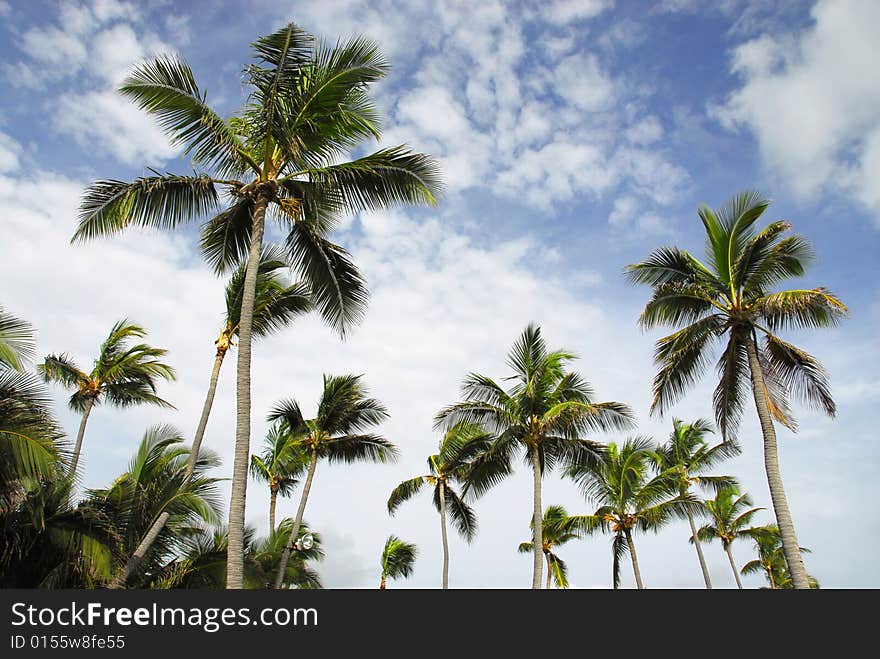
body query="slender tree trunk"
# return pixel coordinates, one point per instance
(739, 583)
(79, 436)
(273, 499)
(237, 499)
(790, 546)
(537, 521)
(294, 532)
(635, 559)
(443, 534)
(772, 581)
(699, 547)
(382, 582)
(549, 571)
(140, 553)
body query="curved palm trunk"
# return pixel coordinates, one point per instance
(790, 546)
(273, 499)
(137, 557)
(549, 572)
(537, 521)
(443, 534)
(635, 559)
(237, 499)
(79, 436)
(294, 532)
(739, 583)
(382, 582)
(699, 547)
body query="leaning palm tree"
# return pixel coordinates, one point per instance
(450, 466)
(336, 434)
(731, 300)
(546, 414)
(276, 304)
(398, 558)
(279, 466)
(123, 375)
(628, 499)
(686, 456)
(557, 531)
(283, 155)
(732, 515)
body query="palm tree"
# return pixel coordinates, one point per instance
(731, 519)
(159, 483)
(282, 154)
(17, 346)
(730, 300)
(686, 456)
(771, 559)
(278, 466)
(450, 466)
(557, 531)
(123, 375)
(545, 413)
(335, 434)
(276, 304)
(398, 558)
(628, 498)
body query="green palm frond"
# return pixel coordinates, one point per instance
(405, 491)
(226, 238)
(398, 558)
(17, 345)
(800, 372)
(359, 448)
(796, 309)
(462, 515)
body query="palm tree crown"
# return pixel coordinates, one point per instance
(557, 528)
(398, 558)
(280, 465)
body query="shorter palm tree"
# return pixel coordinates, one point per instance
(335, 434)
(123, 375)
(731, 519)
(557, 531)
(450, 466)
(279, 466)
(398, 558)
(629, 498)
(771, 558)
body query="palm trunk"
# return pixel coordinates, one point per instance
(699, 547)
(537, 521)
(79, 436)
(635, 559)
(273, 499)
(382, 583)
(739, 583)
(137, 557)
(443, 534)
(772, 581)
(237, 499)
(790, 546)
(549, 571)
(294, 533)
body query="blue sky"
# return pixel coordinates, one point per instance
(575, 137)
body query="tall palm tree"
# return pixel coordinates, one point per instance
(276, 304)
(557, 531)
(546, 414)
(279, 466)
(686, 457)
(156, 483)
(123, 375)
(336, 434)
(771, 559)
(732, 516)
(449, 467)
(730, 300)
(283, 154)
(398, 558)
(628, 498)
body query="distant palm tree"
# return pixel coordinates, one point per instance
(335, 434)
(546, 414)
(450, 466)
(285, 154)
(398, 558)
(557, 531)
(771, 559)
(686, 456)
(628, 498)
(276, 304)
(731, 519)
(123, 375)
(279, 466)
(730, 300)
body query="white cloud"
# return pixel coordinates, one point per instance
(9, 151)
(54, 48)
(646, 131)
(563, 12)
(580, 80)
(813, 103)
